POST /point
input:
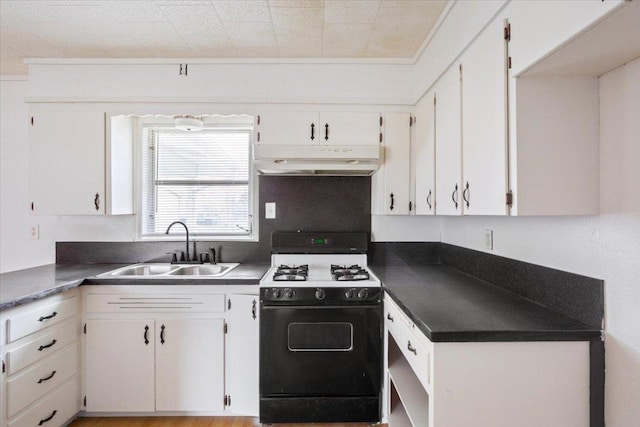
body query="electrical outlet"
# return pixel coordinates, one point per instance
(35, 232)
(488, 239)
(270, 210)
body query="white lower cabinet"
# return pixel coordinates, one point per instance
(482, 384)
(40, 362)
(171, 349)
(119, 365)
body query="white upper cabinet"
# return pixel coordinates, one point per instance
(539, 27)
(67, 163)
(449, 142)
(390, 186)
(324, 128)
(484, 124)
(423, 150)
(78, 165)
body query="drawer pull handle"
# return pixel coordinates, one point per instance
(146, 334)
(51, 316)
(53, 414)
(389, 317)
(253, 309)
(411, 348)
(42, 347)
(162, 328)
(41, 380)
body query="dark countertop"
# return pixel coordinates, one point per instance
(450, 306)
(23, 286)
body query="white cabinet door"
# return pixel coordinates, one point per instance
(288, 128)
(348, 128)
(423, 155)
(484, 124)
(242, 355)
(67, 163)
(390, 185)
(119, 363)
(448, 143)
(190, 365)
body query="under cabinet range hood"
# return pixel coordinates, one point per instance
(331, 160)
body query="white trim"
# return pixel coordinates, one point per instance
(171, 61)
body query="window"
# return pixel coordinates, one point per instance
(201, 178)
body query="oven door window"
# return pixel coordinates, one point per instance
(325, 336)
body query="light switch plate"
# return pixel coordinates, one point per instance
(270, 210)
(488, 239)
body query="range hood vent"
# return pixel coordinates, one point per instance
(331, 160)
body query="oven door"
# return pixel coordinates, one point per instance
(320, 351)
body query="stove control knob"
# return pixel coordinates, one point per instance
(363, 293)
(289, 293)
(277, 293)
(350, 293)
(320, 294)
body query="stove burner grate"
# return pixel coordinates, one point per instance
(350, 273)
(284, 273)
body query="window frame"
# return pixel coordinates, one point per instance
(210, 122)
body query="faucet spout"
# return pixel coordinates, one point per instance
(188, 257)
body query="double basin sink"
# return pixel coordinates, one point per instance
(172, 270)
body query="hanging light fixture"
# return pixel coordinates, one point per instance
(188, 123)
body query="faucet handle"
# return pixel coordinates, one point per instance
(204, 258)
(212, 255)
(182, 258)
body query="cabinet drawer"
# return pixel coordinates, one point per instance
(28, 387)
(53, 411)
(118, 303)
(40, 317)
(37, 349)
(410, 341)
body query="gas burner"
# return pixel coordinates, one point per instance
(284, 273)
(349, 274)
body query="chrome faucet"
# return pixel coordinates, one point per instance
(188, 258)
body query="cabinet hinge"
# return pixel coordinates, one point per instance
(84, 401)
(380, 120)
(411, 121)
(509, 62)
(258, 136)
(225, 328)
(227, 400)
(381, 137)
(84, 329)
(31, 205)
(258, 119)
(410, 206)
(434, 100)
(184, 71)
(510, 198)
(507, 32)
(228, 304)
(31, 120)
(4, 367)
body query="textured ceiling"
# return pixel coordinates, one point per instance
(212, 29)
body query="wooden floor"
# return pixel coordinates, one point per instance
(189, 422)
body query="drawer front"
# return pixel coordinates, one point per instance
(53, 411)
(197, 303)
(39, 318)
(36, 382)
(410, 340)
(31, 352)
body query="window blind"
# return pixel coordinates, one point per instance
(199, 178)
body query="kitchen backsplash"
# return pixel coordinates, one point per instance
(303, 203)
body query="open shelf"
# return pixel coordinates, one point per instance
(412, 399)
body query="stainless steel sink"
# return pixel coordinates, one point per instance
(204, 270)
(172, 270)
